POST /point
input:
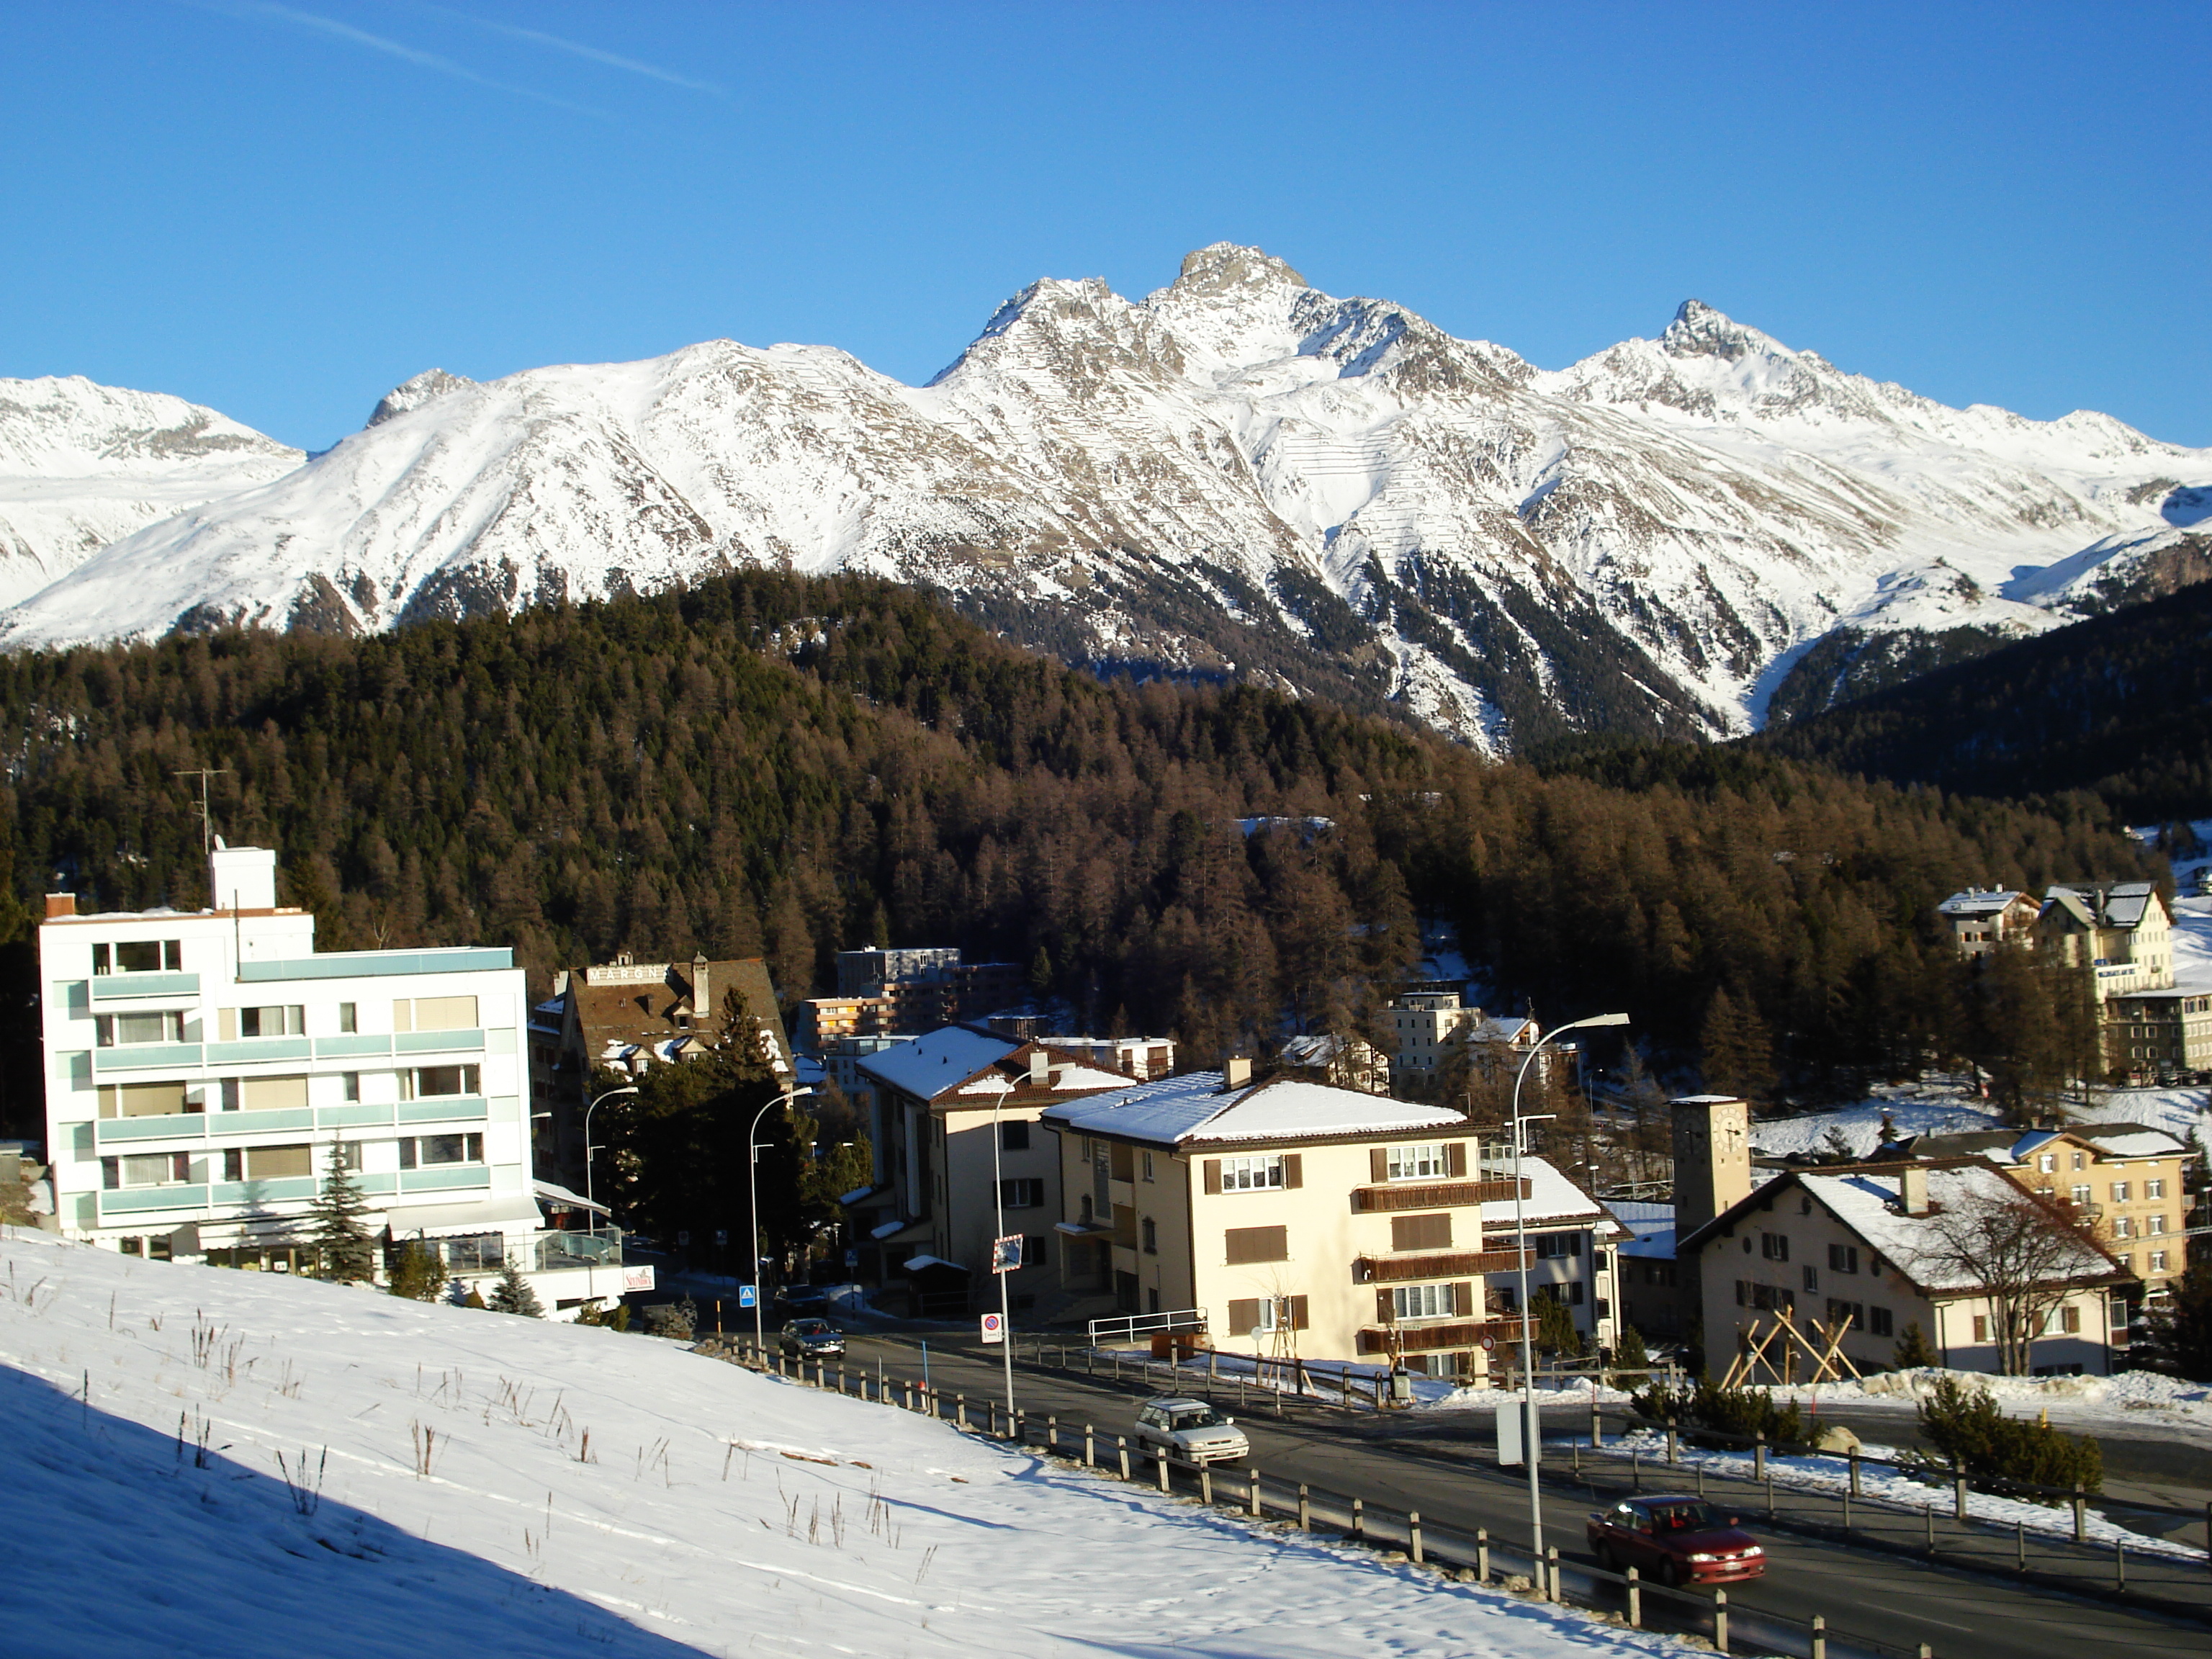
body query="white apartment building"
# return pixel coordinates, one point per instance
(202, 1067)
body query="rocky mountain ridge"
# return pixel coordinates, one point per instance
(1236, 475)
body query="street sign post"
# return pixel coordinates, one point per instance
(748, 1295)
(1006, 1253)
(994, 1329)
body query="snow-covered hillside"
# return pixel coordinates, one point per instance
(1238, 474)
(82, 465)
(206, 1462)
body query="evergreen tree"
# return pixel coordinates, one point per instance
(1739, 1056)
(513, 1294)
(1914, 1350)
(1629, 1352)
(1555, 1328)
(348, 1253)
(2180, 1325)
(416, 1272)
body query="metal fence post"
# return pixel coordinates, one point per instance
(1636, 1605)
(1481, 1554)
(1252, 1492)
(1820, 1637)
(1959, 1498)
(1549, 1571)
(1021, 1428)
(1052, 1435)
(1597, 1424)
(1720, 1621)
(1305, 1510)
(1359, 1520)
(2081, 1516)
(1413, 1535)
(1089, 1446)
(1759, 1457)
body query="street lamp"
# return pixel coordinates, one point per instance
(752, 1203)
(588, 1149)
(1530, 1421)
(997, 1269)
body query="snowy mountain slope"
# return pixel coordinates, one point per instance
(463, 1485)
(82, 465)
(1236, 475)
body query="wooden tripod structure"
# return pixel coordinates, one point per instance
(1828, 1358)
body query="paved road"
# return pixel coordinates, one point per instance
(1871, 1594)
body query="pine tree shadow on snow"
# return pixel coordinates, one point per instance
(120, 1543)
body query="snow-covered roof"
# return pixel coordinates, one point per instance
(1866, 1202)
(1315, 1048)
(1977, 902)
(915, 1264)
(1196, 1107)
(1552, 1199)
(1657, 1245)
(2125, 904)
(2130, 1140)
(930, 1064)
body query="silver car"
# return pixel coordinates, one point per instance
(1190, 1430)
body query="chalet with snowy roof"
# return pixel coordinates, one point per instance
(2120, 934)
(953, 1123)
(2125, 1181)
(1863, 1248)
(1981, 919)
(1309, 1221)
(1345, 1062)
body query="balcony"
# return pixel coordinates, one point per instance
(353, 1113)
(1464, 1264)
(156, 1126)
(1436, 1195)
(277, 1189)
(122, 988)
(443, 1109)
(444, 1177)
(366, 964)
(1445, 1333)
(143, 1200)
(437, 1042)
(147, 1057)
(353, 1045)
(247, 1051)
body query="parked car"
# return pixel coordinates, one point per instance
(1675, 1539)
(813, 1338)
(1190, 1429)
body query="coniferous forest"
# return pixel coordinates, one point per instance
(768, 764)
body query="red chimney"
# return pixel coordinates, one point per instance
(60, 904)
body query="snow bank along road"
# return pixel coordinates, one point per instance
(219, 1463)
(1442, 1467)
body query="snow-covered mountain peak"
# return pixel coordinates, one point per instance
(1228, 268)
(409, 395)
(1698, 331)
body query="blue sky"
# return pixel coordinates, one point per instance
(283, 210)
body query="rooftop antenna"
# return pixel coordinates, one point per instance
(207, 824)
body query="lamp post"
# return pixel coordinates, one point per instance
(999, 1272)
(589, 1198)
(1530, 1421)
(752, 1201)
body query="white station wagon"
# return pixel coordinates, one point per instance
(1190, 1429)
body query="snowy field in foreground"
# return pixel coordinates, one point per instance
(709, 1511)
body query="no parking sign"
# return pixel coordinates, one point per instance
(995, 1327)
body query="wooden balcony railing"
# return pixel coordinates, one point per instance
(1461, 1264)
(1431, 1339)
(1435, 1194)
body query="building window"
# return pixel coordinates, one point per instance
(146, 1169)
(2154, 1187)
(267, 1163)
(2079, 1160)
(1840, 1311)
(124, 1030)
(428, 1152)
(1421, 1162)
(138, 956)
(1033, 1250)
(349, 1017)
(1148, 1166)
(1014, 1135)
(1553, 1246)
(349, 1086)
(1151, 1230)
(440, 1082)
(2122, 1227)
(1422, 1302)
(1843, 1258)
(1812, 1277)
(2158, 1261)
(1251, 1175)
(1244, 1245)
(1775, 1247)
(2119, 1192)
(2154, 1223)
(434, 1014)
(283, 1019)
(144, 1100)
(1879, 1322)
(2080, 1192)
(1026, 1194)
(2047, 1163)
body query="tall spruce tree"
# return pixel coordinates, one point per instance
(513, 1294)
(348, 1254)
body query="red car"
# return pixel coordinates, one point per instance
(1675, 1539)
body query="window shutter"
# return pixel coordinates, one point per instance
(1383, 1306)
(1378, 1164)
(1294, 1169)
(1243, 1314)
(1213, 1174)
(1456, 1160)
(1463, 1299)
(1297, 1313)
